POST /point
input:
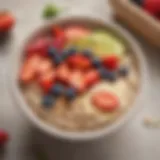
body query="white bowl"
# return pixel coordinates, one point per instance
(78, 136)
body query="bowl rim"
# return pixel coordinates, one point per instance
(89, 135)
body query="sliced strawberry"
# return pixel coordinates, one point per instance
(44, 66)
(59, 42)
(39, 46)
(111, 62)
(76, 81)
(76, 32)
(79, 62)
(57, 31)
(59, 38)
(7, 21)
(29, 68)
(4, 137)
(63, 73)
(91, 78)
(47, 80)
(105, 101)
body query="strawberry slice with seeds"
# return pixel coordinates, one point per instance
(59, 38)
(44, 66)
(105, 101)
(47, 80)
(59, 42)
(57, 31)
(29, 69)
(91, 78)
(79, 62)
(63, 73)
(39, 46)
(111, 62)
(76, 32)
(76, 81)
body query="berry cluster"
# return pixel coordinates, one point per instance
(65, 72)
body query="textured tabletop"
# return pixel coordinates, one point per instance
(133, 142)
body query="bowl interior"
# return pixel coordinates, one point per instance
(17, 60)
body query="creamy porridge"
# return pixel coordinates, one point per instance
(78, 79)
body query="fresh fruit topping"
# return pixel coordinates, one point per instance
(111, 62)
(58, 31)
(105, 101)
(39, 46)
(69, 52)
(6, 21)
(29, 68)
(105, 44)
(48, 101)
(52, 51)
(44, 66)
(106, 74)
(87, 53)
(79, 62)
(57, 90)
(3, 137)
(50, 10)
(47, 80)
(57, 59)
(123, 71)
(101, 42)
(96, 62)
(77, 81)
(70, 93)
(76, 32)
(63, 73)
(59, 42)
(91, 78)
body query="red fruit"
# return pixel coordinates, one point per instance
(29, 68)
(76, 81)
(47, 80)
(76, 32)
(152, 6)
(79, 62)
(63, 73)
(44, 66)
(105, 101)
(3, 137)
(111, 62)
(6, 21)
(59, 38)
(59, 42)
(91, 78)
(57, 31)
(39, 46)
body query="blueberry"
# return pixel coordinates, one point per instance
(70, 93)
(112, 76)
(87, 53)
(57, 59)
(107, 75)
(69, 52)
(72, 51)
(52, 51)
(48, 101)
(123, 71)
(57, 90)
(96, 62)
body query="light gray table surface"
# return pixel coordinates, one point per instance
(133, 142)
